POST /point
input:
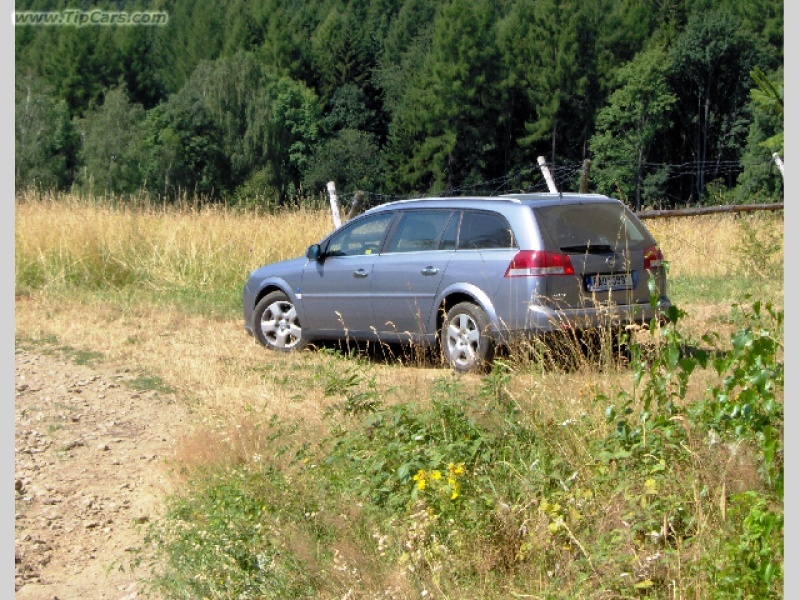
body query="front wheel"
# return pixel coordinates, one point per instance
(276, 325)
(466, 344)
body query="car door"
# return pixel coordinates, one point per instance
(335, 289)
(486, 246)
(408, 273)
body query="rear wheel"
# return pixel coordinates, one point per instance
(276, 325)
(466, 344)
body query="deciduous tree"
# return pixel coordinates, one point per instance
(628, 126)
(45, 139)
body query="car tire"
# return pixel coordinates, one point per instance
(276, 324)
(465, 342)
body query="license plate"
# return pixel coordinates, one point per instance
(611, 281)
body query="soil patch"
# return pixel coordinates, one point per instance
(92, 463)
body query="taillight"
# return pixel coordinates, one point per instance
(529, 263)
(653, 258)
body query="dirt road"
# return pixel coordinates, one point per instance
(92, 464)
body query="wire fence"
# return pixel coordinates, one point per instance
(529, 179)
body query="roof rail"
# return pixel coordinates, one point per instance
(502, 198)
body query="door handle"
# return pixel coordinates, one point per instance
(429, 271)
(360, 273)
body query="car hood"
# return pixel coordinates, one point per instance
(285, 268)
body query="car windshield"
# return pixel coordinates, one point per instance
(590, 228)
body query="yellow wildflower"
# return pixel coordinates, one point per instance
(453, 483)
(456, 469)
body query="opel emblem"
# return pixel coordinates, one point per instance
(611, 261)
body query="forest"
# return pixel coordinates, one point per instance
(674, 102)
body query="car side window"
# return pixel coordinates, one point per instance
(418, 231)
(484, 230)
(363, 237)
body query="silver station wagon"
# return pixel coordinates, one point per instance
(465, 274)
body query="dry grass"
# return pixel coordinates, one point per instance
(163, 246)
(232, 384)
(707, 245)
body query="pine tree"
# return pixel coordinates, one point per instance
(446, 123)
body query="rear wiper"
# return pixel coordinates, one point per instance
(588, 249)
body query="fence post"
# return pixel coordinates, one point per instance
(584, 189)
(355, 208)
(337, 217)
(777, 158)
(551, 185)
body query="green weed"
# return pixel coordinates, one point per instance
(149, 383)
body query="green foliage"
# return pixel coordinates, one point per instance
(360, 393)
(760, 251)
(712, 103)
(447, 96)
(149, 383)
(636, 114)
(341, 50)
(225, 541)
(760, 181)
(194, 33)
(647, 445)
(141, 63)
(349, 110)
(745, 405)
(749, 563)
(45, 138)
(451, 105)
(294, 132)
(180, 150)
(351, 159)
(79, 64)
(233, 122)
(109, 131)
(395, 443)
(541, 44)
(234, 92)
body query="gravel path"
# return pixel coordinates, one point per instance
(92, 462)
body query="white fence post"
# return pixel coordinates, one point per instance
(547, 176)
(337, 217)
(777, 158)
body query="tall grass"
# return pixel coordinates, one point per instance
(722, 258)
(301, 475)
(64, 243)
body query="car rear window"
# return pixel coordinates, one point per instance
(591, 227)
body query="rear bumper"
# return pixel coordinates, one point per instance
(541, 319)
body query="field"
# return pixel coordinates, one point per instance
(380, 474)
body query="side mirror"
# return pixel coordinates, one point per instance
(314, 252)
